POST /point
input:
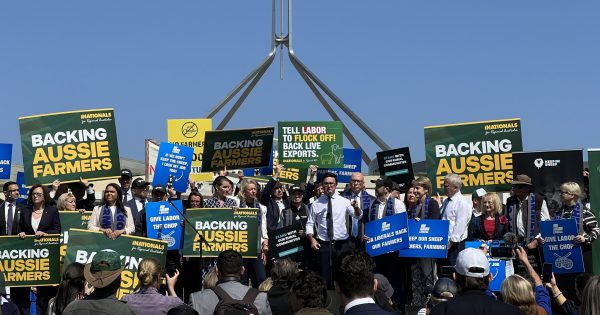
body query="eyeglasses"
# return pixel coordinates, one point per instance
(356, 181)
(565, 193)
(37, 194)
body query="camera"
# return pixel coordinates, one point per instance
(502, 250)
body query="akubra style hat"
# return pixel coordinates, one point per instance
(104, 269)
(522, 179)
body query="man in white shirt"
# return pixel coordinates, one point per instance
(456, 210)
(358, 195)
(326, 226)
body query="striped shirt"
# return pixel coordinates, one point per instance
(590, 224)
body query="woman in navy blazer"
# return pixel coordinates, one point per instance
(491, 225)
(39, 217)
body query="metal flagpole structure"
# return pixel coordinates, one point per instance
(312, 81)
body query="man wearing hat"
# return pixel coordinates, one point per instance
(525, 209)
(299, 212)
(472, 274)
(390, 265)
(104, 274)
(125, 182)
(139, 187)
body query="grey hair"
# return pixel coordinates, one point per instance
(454, 180)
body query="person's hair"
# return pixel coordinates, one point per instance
(266, 285)
(580, 281)
(182, 309)
(47, 199)
(572, 188)
(423, 182)
(310, 289)
(71, 287)
(406, 196)
(211, 279)
(7, 185)
(119, 202)
(590, 304)
(454, 180)
(517, 291)
(495, 199)
(63, 199)
(229, 263)
(353, 273)
(283, 272)
(470, 283)
(149, 272)
(243, 184)
(194, 193)
(219, 180)
(330, 174)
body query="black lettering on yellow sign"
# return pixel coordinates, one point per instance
(72, 158)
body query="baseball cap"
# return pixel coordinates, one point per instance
(159, 189)
(445, 288)
(470, 258)
(139, 183)
(104, 269)
(295, 188)
(126, 173)
(383, 181)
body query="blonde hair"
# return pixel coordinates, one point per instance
(63, 199)
(572, 188)
(266, 285)
(495, 199)
(211, 279)
(517, 291)
(589, 298)
(244, 183)
(423, 182)
(149, 272)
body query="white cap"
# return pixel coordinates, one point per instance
(469, 258)
(480, 192)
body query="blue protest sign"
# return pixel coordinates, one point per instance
(387, 234)
(352, 163)
(173, 164)
(5, 160)
(427, 239)
(23, 190)
(497, 267)
(560, 248)
(163, 222)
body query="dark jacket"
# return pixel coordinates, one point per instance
(271, 204)
(477, 229)
(279, 301)
(49, 222)
(367, 309)
(134, 211)
(15, 226)
(474, 302)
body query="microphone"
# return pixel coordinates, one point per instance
(511, 238)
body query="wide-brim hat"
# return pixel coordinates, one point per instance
(522, 179)
(104, 269)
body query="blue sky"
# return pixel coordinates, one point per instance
(400, 65)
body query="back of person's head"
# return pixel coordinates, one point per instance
(353, 274)
(580, 282)
(443, 290)
(266, 285)
(182, 309)
(308, 290)
(150, 272)
(590, 304)
(229, 263)
(71, 287)
(211, 279)
(472, 270)
(283, 272)
(517, 291)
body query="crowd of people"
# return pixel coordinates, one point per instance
(332, 274)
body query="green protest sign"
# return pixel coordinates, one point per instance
(223, 229)
(30, 261)
(479, 152)
(84, 244)
(71, 220)
(236, 149)
(305, 143)
(69, 145)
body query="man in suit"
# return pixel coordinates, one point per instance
(9, 209)
(139, 188)
(275, 199)
(229, 270)
(358, 196)
(355, 283)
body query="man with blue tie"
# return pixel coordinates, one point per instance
(326, 226)
(358, 196)
(355, 283)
